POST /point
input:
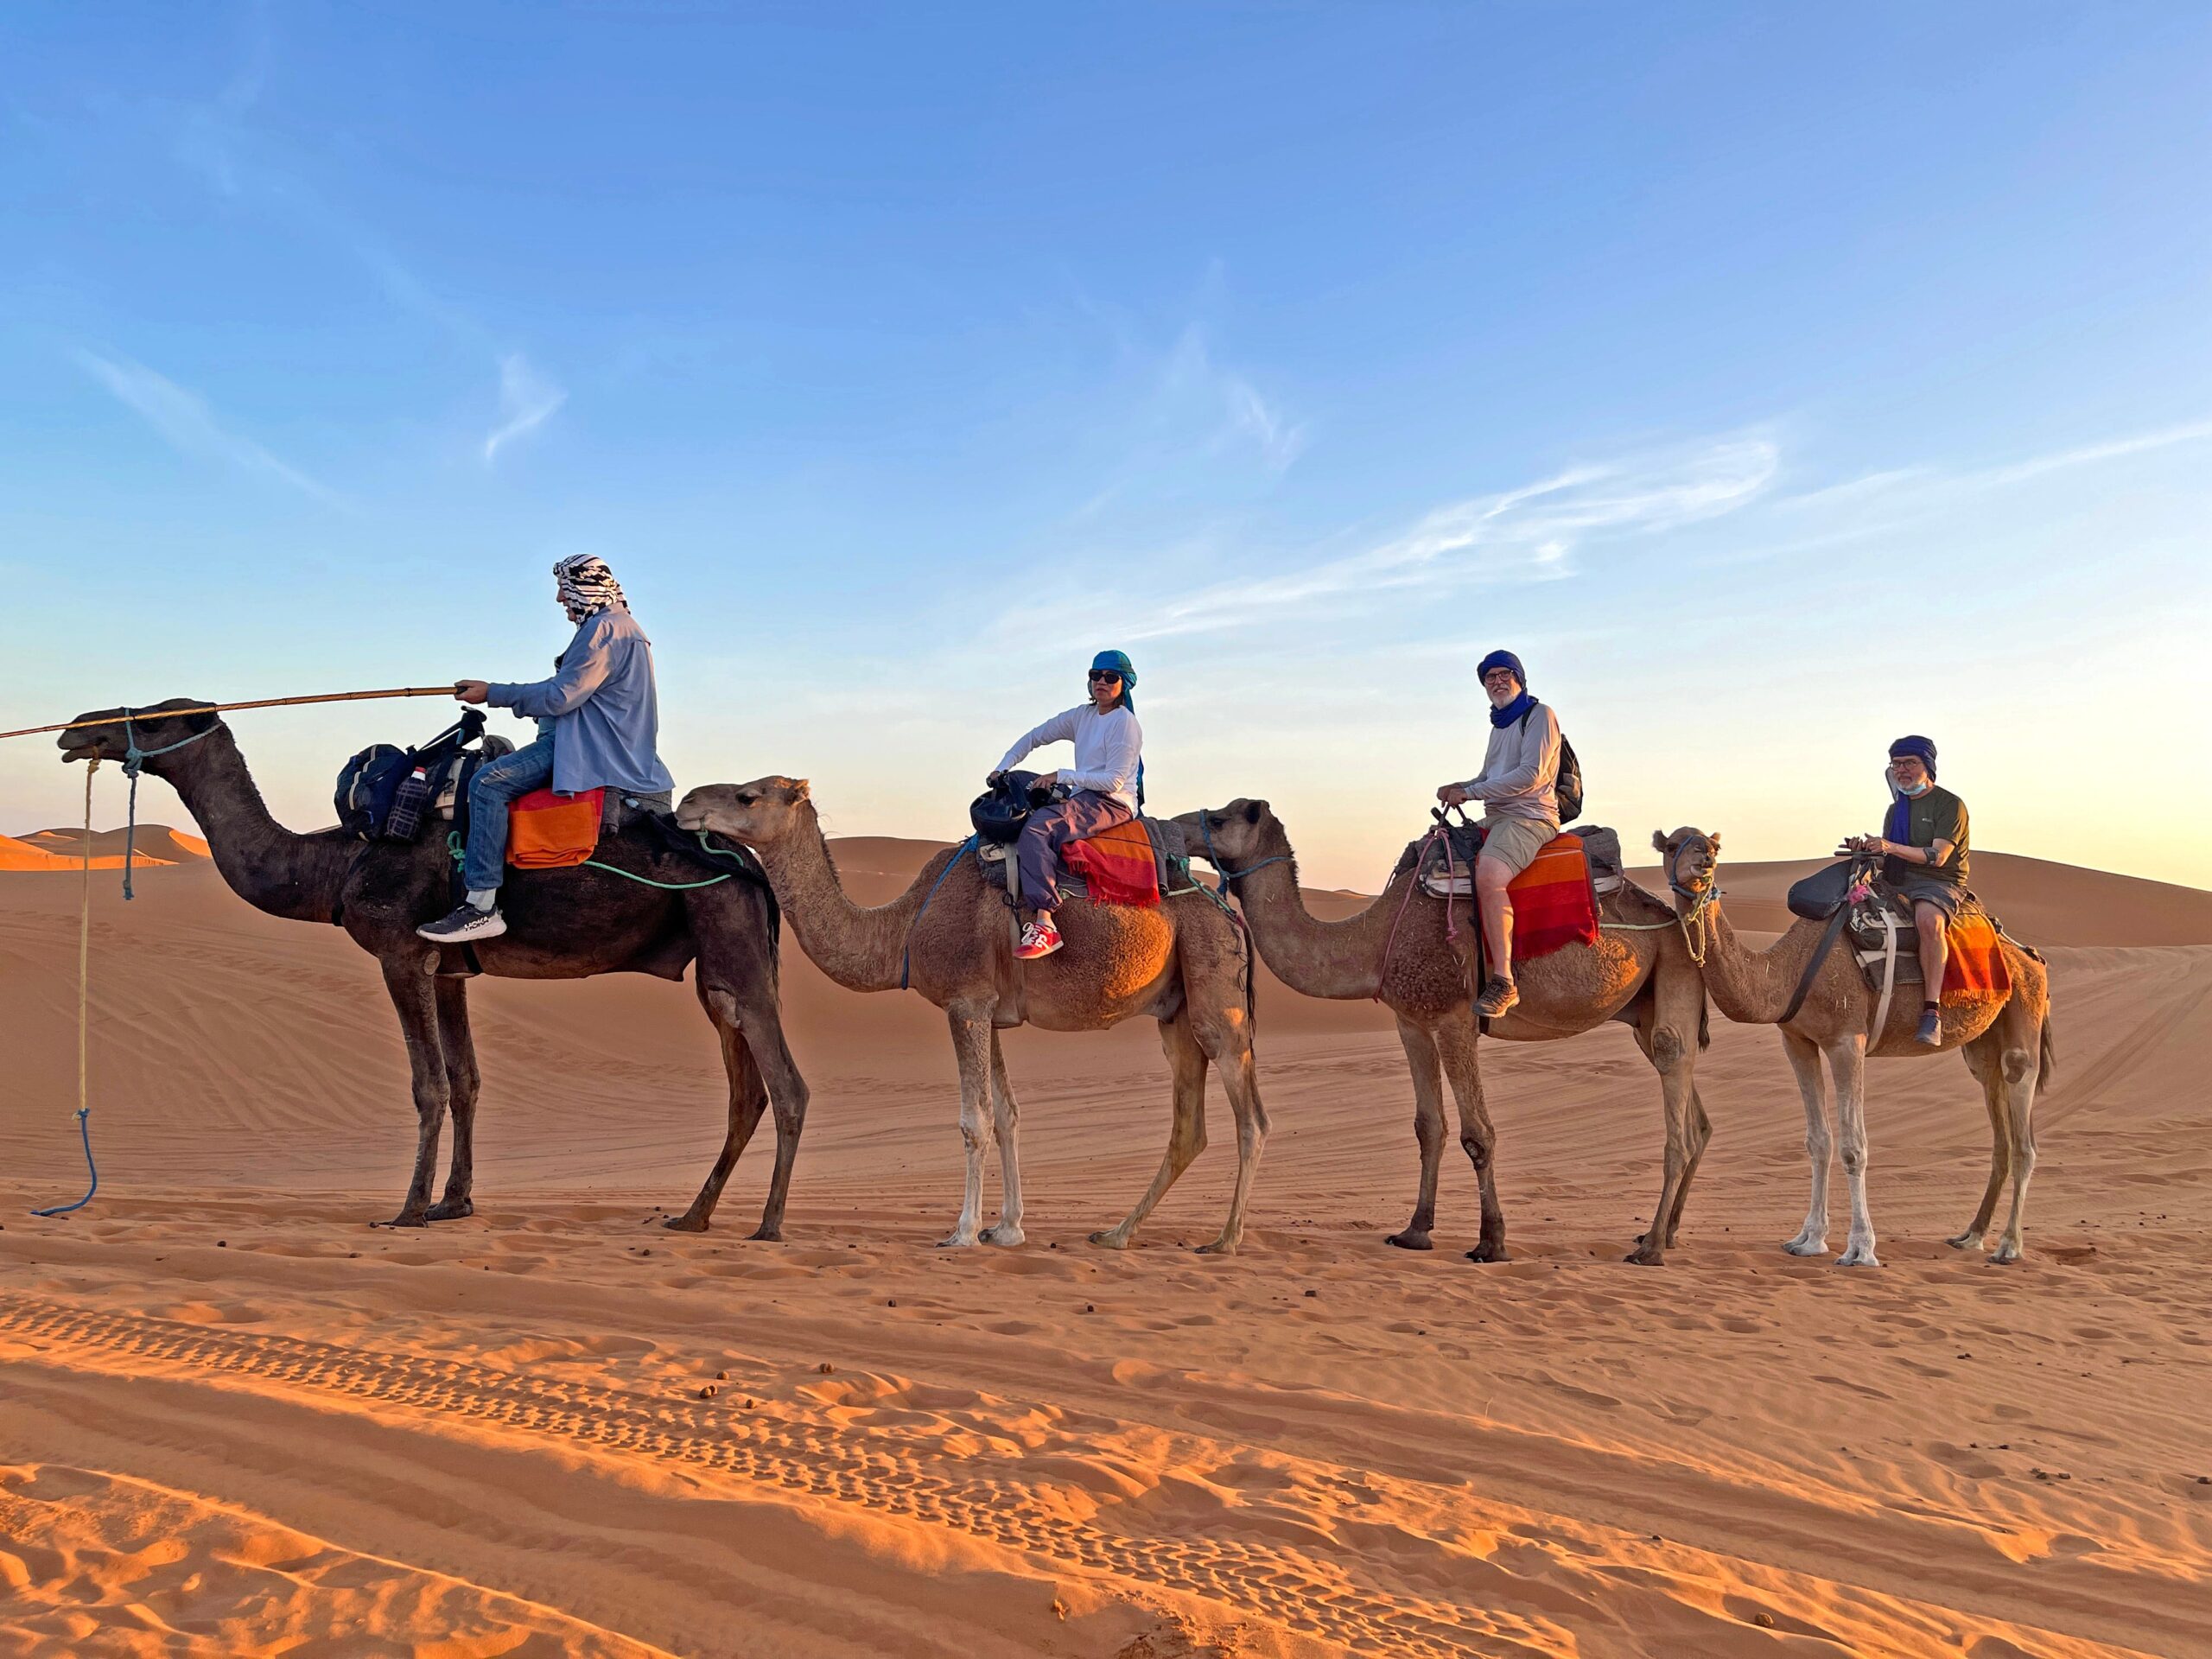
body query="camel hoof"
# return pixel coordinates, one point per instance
(1410, 1240)
(1003, 1234)
(403, 1219)
(2006, 1254)
(448, 1210)
(1646, 1257)
(1487, 1253)
(1969, 1240)
(1858, 1256)
(764, 1234)
(1219, 1247)
(1110, 1239)
(1801, 1245)
(686, 1223)
(957, 1241)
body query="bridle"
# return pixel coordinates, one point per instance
(134, 762)
(1229, 877)
(1697, 921)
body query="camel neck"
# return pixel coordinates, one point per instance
(1751, 987)
(1339, 960)
(857, 945)
(298, 877)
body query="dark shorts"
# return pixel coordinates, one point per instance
(1943, 895)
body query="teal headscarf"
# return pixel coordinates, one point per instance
(1117, 662)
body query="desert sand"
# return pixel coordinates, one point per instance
(237, 1418)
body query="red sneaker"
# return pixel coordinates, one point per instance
(1039, 939)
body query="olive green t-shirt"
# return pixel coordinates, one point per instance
(1936, 816)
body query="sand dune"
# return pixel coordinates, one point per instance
(51, 851)
(237, 1419)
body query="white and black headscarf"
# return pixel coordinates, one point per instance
(588, 587)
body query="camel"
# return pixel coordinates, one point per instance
(948, 936)
(567, 924)
(2006, 1039)
(1400, 952)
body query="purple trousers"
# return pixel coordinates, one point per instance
(1081, 816)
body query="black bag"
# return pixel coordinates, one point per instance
(367, 782)
(999, 813)
(1568, 784)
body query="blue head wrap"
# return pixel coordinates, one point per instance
(1503, 717)
(1117, 662)
(1899, 825)
(1919, 749)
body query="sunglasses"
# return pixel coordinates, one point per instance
(1098, 678)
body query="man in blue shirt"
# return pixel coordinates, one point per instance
(597, 721)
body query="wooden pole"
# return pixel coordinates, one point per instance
(225, 708)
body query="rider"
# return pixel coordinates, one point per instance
(1517, 787)
(1923, 844)
(1106, 787)
(597, 718)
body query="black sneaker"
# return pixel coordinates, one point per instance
(465, 925)
(1931, 1028)
(1499, 993)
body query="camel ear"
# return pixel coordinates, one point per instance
(1659, 839)
(1715, 839)
(803, 791)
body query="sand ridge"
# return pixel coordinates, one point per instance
(238, 1418)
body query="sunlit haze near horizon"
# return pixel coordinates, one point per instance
(1774, 381)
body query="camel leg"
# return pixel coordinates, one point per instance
(462, 1081)
(1986, 1059)
(1813, 1086)
(1428, 1131)
(1006, 1119)
(414, 994)
(1700, 1136)
(971, 1047)
(1666, 1030)
(748, 1098)
(1456, 1041)
(1847, 1059)
(1227, 1039)
(1669, 1055)
(1186, 1131)
(760, 1027)
(2023, 1072)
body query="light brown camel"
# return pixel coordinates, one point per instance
(2006, 1039)
(565, 924)
(948, 936)
(1639, 972)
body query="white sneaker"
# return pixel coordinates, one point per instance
(464, 924)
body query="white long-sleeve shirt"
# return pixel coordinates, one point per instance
(1107, 749)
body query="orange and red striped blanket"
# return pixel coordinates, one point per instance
(1975, 964)
(1553, 902)
(1117, 866)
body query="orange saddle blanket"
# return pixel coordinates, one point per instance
(1973, 965)
(1553, 902)
(547, 831)
(1117, 866)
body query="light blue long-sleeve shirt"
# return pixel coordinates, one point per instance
(605, 715)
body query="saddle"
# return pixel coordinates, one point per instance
(1445, 875)
(1857, 904)
(1107, 857)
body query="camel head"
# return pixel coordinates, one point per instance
(1233, 838)
(759, 814)
(1690, 858)
(151, 727)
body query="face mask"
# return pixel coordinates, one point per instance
(1913, 791)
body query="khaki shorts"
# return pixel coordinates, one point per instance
(1515, 843)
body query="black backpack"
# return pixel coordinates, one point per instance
(1568, 784)
(367, 782)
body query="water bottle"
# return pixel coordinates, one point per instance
(405, 818)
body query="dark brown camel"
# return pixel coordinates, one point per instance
(568, 923)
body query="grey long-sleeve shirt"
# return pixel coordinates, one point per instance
(606, 715)
(1520, 772)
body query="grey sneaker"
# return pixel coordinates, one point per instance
(1931, 1028)
(1499, 993)
(464, 924)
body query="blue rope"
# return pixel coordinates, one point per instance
(85, 1128)
(134, 759)
(906, 950)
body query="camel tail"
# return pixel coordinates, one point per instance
(2047, 1055)
(1704, 1020)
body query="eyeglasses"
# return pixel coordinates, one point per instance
(1100, 678)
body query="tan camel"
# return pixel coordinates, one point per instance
(2006, 1039)
(948, 936)
(1402, 951)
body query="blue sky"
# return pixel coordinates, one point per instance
(1775, 381)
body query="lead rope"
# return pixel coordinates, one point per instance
(134, 762)
(84, 984)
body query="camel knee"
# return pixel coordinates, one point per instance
(1854, 1158)
(1667, 1048)
(1480, 1150)
(2018, 1063)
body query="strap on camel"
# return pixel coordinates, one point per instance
(1828, 937)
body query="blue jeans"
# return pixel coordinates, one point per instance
(1081, 816)
(496, 786)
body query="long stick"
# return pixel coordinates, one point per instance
(225, 708)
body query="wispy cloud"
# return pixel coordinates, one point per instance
(184, 418)
(1527, 534)
(1231, 411)
(527, 400)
